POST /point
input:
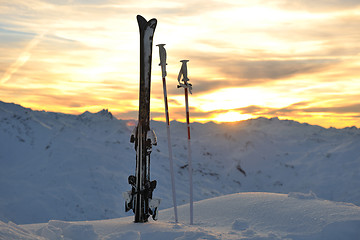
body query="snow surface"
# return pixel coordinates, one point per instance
(75, 167)
(236, 216)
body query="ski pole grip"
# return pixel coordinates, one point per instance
(183, 73)
(162, 54)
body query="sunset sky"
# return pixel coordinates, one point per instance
(292, 59)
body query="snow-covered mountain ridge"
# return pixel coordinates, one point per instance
(75, 167)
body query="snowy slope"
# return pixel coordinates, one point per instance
(67, 167)
(238, 216)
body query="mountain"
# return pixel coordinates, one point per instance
(75, 167)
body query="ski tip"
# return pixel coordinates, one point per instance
(184, 61)
(152, 22)
(141, 18)
(143, 23)
(160, 45)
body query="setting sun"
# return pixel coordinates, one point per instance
(231, 117)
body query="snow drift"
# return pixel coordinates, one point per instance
(238, 216)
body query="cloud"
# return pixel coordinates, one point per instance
(237, 72)
(180, 9)
(252, 110)
(69, 101)
(318, 6)
(328, 36)
(14, 38)
(300, 107)
(22, 59)
(352, 108)
(273, 69)
(77, 2)
(126, 115)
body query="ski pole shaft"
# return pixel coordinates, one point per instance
(162, 53)
(189, 156)
(187, 112)
(170, 150)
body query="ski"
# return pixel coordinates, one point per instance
(139, 199)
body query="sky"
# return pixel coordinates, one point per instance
(291, 59)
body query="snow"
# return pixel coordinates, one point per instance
(235, 216)
(256, 179)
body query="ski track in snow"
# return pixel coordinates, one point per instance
(75, 167)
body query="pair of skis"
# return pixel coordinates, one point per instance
(139, 199)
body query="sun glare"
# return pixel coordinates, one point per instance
(231, 116)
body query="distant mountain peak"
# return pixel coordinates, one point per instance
(101, 115)
(105, 113)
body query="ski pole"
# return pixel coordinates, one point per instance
(188, 87)
(162, 53)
